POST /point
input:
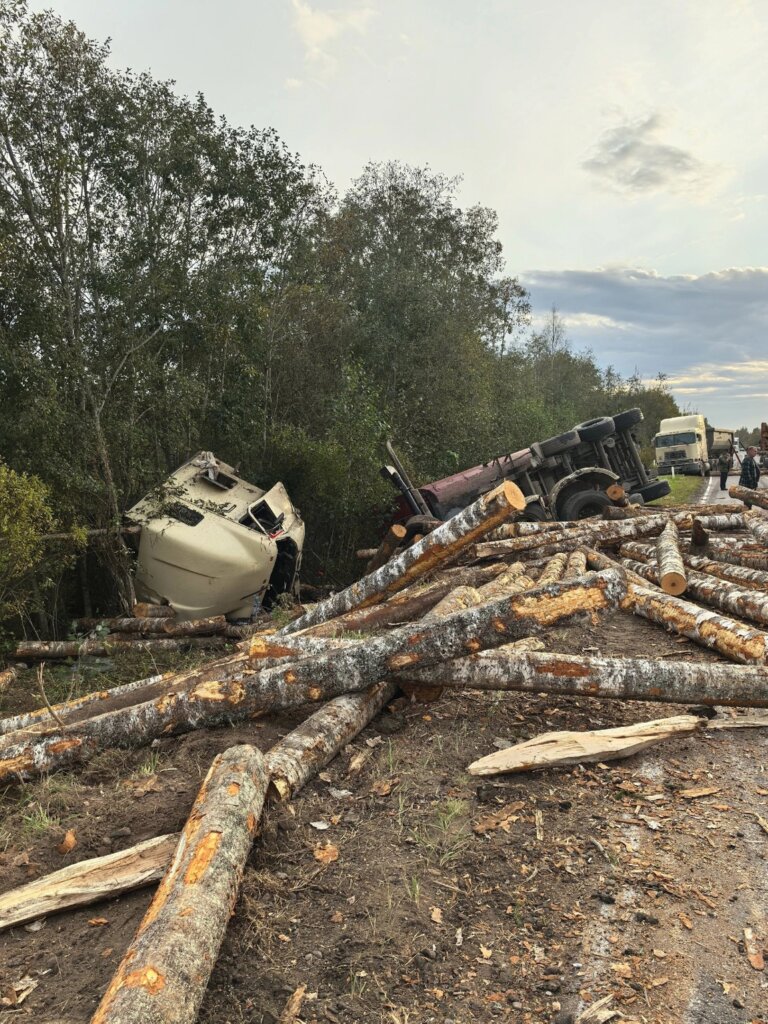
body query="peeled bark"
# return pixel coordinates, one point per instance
(747, 604)
(552, 749)
(444, 543)
(164, 973)
(143, 610)
(457, 601)
(406, 606)
(647, 679)
(88, 881)
(554, 569)
(757, 524)
(42, 650)
(511, 582)
(7, 676)
(671, 575)
(748, 496)
(235, 689)
(576, 565)
(395, 535)
(310, 746)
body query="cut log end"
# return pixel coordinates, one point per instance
(674, 583)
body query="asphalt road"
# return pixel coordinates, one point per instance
(712, 495)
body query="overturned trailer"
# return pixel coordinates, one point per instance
(210, 543)
(574, 475)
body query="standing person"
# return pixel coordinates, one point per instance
(724, 464)
(750, 471)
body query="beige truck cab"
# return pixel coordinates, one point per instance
(213, 544)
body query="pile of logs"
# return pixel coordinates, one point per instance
(466, 606)
(152, 627)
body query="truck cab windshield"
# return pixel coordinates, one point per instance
(685, 437)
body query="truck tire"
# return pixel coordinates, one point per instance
(534, 513)
(627, 419)
(584, 504)
(557, 445)
(653, 491)
(595, 430)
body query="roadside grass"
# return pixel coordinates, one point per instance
(685, 489)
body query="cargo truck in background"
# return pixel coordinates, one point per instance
(688, 445)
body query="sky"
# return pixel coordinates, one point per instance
(624, 146)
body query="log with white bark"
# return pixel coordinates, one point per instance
(393, 538)
(751, 556)
(757, 524)
(54, 650)
(234, 689)
(512, 582)
(88, 881)
(565, 748)
(647, 679)
(409, 604)
(749, 579)
(443, 544)
(671, 573)
(365, 554)
(534, 529)
(718, 593)
(163, 976)
(314, 743)
(749, 496)
(588, 532)
(291, 763)
(598, 560)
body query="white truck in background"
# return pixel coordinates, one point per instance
(686, 444)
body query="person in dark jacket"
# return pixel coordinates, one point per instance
(750, 471)
(724, 464)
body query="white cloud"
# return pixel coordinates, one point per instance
(706, 332)
(319, 31)
(634, 159)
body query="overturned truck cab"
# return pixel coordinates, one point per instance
(213, 544)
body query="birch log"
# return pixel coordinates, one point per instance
(728, 597)
(55, 650)
(406, 606)
(750, 556)
(671, 569)
(511, 582)
(444, 543)
(88, 881)
(595, 532)
(535, 529)
(164, 973)
(757, 524)
(647, 679)
(749, 579)
(565, 748)
(748, 496)
(197, 698)
(314, 743)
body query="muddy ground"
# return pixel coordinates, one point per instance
(526, 899)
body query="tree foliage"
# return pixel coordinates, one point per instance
(169, 282)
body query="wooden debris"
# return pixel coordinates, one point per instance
(444, 543)
(576, 565)
(163, 975)
(7, 676)
(671, 569)
(554, 569)
(88, 881)
(34, 650)
(142, 610)
(395, 535)
(564, 748)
